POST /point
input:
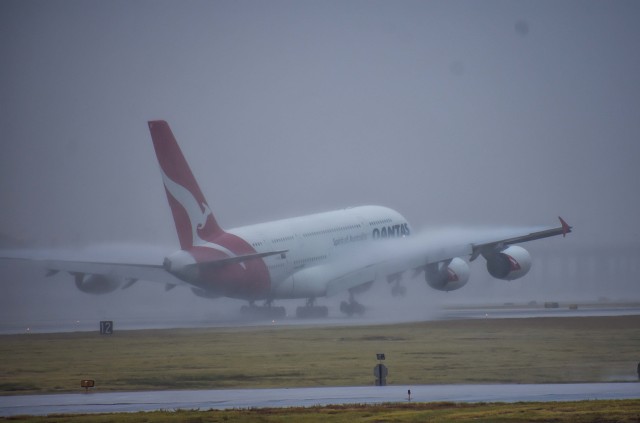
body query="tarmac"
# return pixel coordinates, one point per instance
(116, 402)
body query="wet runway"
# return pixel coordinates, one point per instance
(95, 402)
(245, 398)
(506, 312)
(447, 313)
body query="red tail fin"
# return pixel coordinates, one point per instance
(193, 218)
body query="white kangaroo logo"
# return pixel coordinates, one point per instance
(198, 214)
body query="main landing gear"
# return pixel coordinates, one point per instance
(264, 312)
(351, 307)
(312, 311)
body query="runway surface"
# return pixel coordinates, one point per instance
(93, 402)
(449, 313)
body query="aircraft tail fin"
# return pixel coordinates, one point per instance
(192, 216)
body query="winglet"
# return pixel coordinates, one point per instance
(565, 227)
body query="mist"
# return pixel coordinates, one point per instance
(454, 113)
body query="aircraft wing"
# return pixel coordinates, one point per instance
(150, 268)
(125, 269)
(390, 259)
(488, 245)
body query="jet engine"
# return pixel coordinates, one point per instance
(447, 276)
(96, 284)
(511, 263)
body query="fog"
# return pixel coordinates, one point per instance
(454, 113)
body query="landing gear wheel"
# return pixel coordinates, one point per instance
(351, 307)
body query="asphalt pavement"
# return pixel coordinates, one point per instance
(114, 402)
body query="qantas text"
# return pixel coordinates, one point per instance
(391, 231)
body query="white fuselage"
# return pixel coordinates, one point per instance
(318, 240)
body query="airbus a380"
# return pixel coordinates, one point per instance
(306, 257)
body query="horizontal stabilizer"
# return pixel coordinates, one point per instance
(236, 259)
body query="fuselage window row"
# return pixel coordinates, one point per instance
(332, 230)
(286, 238)
(309, 260)
(379, 222)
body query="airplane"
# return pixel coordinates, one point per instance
(307, 257)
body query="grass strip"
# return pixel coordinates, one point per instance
(536, 350)
(578, 412)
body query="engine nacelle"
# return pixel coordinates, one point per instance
(97, 284)
(447, 277)
(511, 263)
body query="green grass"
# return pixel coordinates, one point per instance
(579, 412)
(541, 350)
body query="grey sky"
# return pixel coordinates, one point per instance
(441, 110)
(451, 112)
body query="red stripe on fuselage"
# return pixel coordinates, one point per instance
(246, 280)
